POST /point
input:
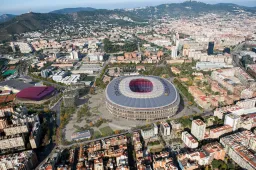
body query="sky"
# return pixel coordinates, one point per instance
(23, 6)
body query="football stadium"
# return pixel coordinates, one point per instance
(142, 98)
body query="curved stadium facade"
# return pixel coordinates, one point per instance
(142, 98)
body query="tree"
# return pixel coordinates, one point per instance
(117, 131)
(46, 110)
(218, 163)
(92, 91)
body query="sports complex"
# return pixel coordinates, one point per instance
(142, 98)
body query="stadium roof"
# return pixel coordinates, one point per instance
(35, 93)
(163, 94)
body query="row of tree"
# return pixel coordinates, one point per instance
(110, 47)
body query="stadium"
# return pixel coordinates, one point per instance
(142, 98)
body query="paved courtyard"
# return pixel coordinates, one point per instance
(98, 110)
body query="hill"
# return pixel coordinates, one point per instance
(29, 22)
(72, 10)
(192, 9)
(6, 17)
(37, 21)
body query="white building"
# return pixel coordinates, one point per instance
(45, 73)
(165, 129)
(189, 140)
(232, 120)
(88, 69)
(72, 79)
(155, 129)
(150, 132)
(211, 65)
(198, 129)
(59, 76)
(95, 57)
(74, 55)
(174, 52)
(21, 160)
(24, 47)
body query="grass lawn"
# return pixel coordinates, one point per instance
(106, 131)
(89, 78)
(96, 134)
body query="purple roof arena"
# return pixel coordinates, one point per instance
(35, 93)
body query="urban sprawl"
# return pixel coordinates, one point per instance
(176, 93)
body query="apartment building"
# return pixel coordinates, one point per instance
(165, 129)
(215, 133)
(189, 140)
(163, 161)
(215, 150)
(22, 160)
(150, 132)
(198, 129)
(238, 146)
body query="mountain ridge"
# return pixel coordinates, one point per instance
(6, 17)
(72, 10)
(36, 21)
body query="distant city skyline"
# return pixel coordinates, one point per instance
(23, 6)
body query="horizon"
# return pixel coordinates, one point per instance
(44, 7)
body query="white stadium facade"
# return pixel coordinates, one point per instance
(142, 98)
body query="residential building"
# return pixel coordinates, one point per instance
(189, 140)
(193, 160)
(215, 150)
(237, 146)
(215, 133)
(15, 142)
(150, 132)
(232, 120)
(22, 160)
(198, 129)
(163, 161)
(165, 129)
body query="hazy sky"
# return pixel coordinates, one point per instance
(23, 6)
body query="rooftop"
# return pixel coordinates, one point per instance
(16, 84)
(199, 122)
(222, 128)
(35, 93)
(158, 92)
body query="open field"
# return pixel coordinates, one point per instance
(106, 131)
